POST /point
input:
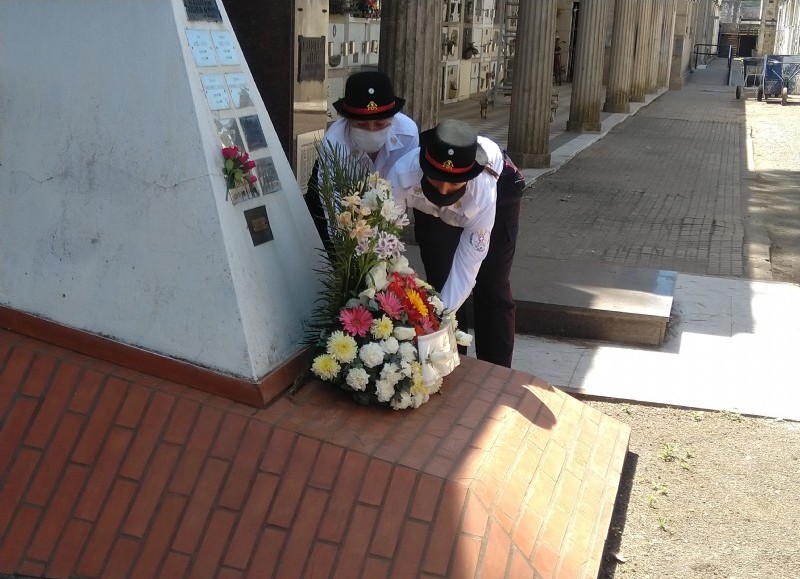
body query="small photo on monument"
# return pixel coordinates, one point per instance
(267, 175)
(228, 133)
(253, 132)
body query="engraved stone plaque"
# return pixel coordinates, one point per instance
(258, 225)
(202, 10)
(267, 175)
(253, 132)
(311, 58)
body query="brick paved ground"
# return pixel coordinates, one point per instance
(107, 472)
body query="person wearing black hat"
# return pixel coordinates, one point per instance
(466, 230)
(371, 130)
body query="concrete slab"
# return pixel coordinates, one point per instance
(592, 300)
(731, 347)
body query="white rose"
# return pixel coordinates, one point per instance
(377, 277)
(404, 333)
(400, 265)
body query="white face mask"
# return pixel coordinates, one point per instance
(369, 141)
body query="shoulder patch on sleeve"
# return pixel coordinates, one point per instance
(479, 240)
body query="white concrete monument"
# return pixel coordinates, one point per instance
(115, 220)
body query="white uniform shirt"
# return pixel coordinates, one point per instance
(474, 212)
(403, 136)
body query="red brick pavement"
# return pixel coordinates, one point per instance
(108, 472)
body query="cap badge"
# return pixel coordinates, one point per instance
(371, 106)
(448, 165)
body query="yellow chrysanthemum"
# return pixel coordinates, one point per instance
(416, 301)
(325, 366)
(382, 327)
(342, 347)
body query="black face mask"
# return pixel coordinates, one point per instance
(432, 194)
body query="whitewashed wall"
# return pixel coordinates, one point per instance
(113, 216)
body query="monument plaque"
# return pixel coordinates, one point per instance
(311, 58)
(216, 95)
(202, 10)
(267, 175)
(226, 50)
(258, 225)
(240, 90)
(253, 132)
(202, 51)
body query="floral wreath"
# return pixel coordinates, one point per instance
(380, 332)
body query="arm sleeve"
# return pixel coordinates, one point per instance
(470, 253)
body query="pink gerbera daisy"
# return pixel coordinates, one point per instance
(390, 304)
(357, 321)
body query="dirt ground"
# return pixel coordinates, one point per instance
(715, 495)
(705, 495)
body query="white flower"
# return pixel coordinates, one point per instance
(377, 277)
(406, 368)
(408, 352)
(391, 211)
(368, 293)
(370, 199)
(371, 354)
(438, 305)
(404, 333)
(390, 345)
(391, 374)
(357, 378)
(385, 390)
(463, 338)
(400, 265)
(403, 403)
(419, 398)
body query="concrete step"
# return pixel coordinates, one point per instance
(625, 305)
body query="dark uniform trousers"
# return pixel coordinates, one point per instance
(493, 307)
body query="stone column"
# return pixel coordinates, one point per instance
(666, 44)
(529, 119)
(641, 58)
(587, 74)
(619, 74)
(657, 30)
(410, 50)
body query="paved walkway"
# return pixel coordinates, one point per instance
(110, 473)
(663, 188)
